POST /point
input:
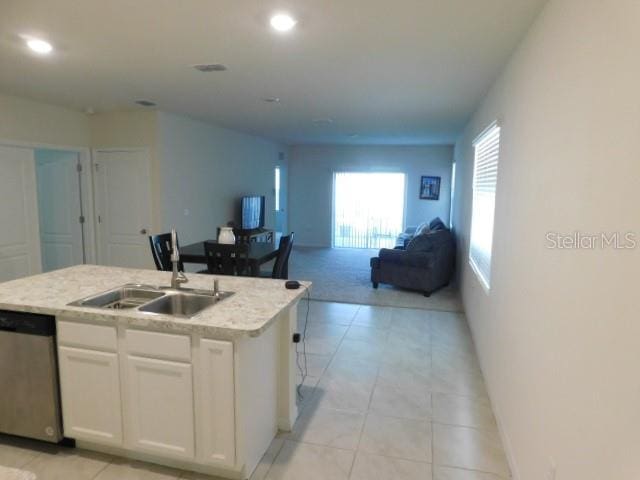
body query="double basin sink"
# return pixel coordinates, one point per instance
(183, 302)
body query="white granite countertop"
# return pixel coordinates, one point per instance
(252, 308)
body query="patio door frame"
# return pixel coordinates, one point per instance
(355, 170)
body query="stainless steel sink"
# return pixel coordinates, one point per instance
(155, 300)
(179, 304)
(125, 297)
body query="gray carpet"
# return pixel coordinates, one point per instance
(343, 275)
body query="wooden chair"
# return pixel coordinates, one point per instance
(161, 251)
(281, 265)
(226, 259)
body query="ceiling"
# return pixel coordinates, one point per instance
(402, 72)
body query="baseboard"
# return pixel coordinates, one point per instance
(233, 473)
(506, 441)
(502, 432)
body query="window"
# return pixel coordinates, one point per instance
(453, 194)
(368, 209)
(485, 176)
(277, 189)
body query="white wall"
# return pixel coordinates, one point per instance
(29, 121)
(559, 334)
(206, 170)
(311, 170)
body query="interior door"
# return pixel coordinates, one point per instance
(19, 232)
(123, 207)
(60, 207)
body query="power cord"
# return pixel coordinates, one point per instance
(303, 367)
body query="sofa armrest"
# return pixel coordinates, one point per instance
(405, 258)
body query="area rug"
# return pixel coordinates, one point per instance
(343, 275)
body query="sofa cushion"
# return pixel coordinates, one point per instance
(437, 224)
(406, 259)
(429, 242)
(422, 228)
(420, 243)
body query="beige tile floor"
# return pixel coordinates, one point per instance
(391, 394)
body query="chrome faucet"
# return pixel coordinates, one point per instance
(177, 278)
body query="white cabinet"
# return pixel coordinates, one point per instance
(166, 395)
(90, 390)
(216, 412)
(159, 406)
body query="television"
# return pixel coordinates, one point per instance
(252, 212)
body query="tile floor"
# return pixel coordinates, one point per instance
(391, 394)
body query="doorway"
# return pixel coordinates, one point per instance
(122, 182)
(62, 220)
(45, 227)
(368, 209)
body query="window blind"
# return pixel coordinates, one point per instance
(485, 177)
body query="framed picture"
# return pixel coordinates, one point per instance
(429, 188)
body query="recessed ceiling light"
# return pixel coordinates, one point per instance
(282, 22)
(39, 46)
(271, 100)
(210, 67)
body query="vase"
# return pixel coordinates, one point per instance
(226, 236)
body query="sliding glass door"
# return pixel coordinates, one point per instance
(368, 209)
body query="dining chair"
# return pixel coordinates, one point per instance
(161, 252)
(223, 259)
(281, 265)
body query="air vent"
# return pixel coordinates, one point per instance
(210, 67)
(322, 121)
(145, 103)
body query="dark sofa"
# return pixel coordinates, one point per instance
(426, 264)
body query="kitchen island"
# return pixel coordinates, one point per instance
(206, 393)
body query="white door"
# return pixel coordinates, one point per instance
(216, 417)
(123, 207)
(90, 390)
(19, 232)
(160, 407)
(60, 208)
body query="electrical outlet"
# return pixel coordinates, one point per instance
(551, 470)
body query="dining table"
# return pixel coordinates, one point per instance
(259, 253)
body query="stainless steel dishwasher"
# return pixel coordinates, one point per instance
(29, 392)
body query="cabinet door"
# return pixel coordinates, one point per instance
(90, 390)
(216, 412)
(160, 407)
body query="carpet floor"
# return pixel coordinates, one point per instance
(343, 275)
